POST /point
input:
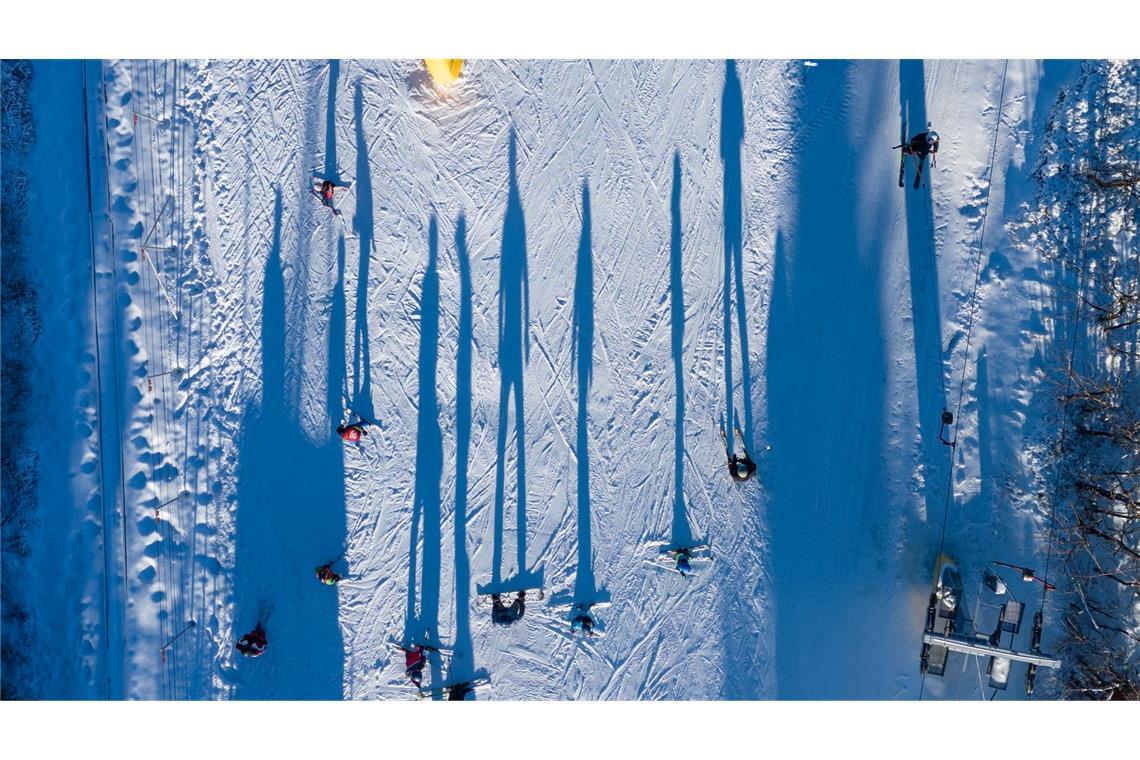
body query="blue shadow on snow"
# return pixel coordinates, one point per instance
(681, 533)
(582, 346)
(827, 375)
(332, 170)
(363, 224)
(731, 139)
(930, 378)
(426, 504)
(514, 351)
(462, 666)
(290, 509)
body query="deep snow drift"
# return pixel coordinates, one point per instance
(549, 287)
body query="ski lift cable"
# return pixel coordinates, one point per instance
(969, 327)
(146, 203)
(972, 315)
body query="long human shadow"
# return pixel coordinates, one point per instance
(363, 224)
(681, 533)
(731, 138)
(924, 299)
(332, 171)
(429, 457)
(462, 665)
(280, 533)
(829, 510)
(514, 352)
(582, 345)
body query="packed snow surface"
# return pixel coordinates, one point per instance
(549, 287)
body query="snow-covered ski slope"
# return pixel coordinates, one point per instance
(549, 288)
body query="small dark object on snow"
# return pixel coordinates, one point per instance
(947, 420)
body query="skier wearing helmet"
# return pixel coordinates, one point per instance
(740, 466)
(681, 557)
(924, 144)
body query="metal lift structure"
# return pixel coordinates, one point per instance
(949, 629)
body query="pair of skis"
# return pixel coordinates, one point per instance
(743, 443)
(739, 433)
(446, 651)
(699, 551)
(509, 596)
(318, 180)
(574, 609)
(902, 166)
(473, 685)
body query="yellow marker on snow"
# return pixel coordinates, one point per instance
(445, 71)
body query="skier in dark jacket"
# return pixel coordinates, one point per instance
(924, 144)
(741, 468)
(252, 644)
(504, 615)
(584, 623)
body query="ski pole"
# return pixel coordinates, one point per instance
(189, 625)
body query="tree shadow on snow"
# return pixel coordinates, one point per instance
(826, 407)
(290, 507)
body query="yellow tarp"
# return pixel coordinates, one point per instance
(444, 70)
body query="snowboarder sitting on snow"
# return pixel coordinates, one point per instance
(504, 615)
(583, 623)
(326, 575)
(414, 661)
(351, 432)
(253, 643)
(924, 144)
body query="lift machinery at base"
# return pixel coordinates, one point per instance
(944, 631)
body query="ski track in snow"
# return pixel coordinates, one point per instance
(653, 214)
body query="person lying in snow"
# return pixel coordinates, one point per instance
(504, 615)
(414, 662)
(326, 575)
(325, 193)
(351, 432)
(583, 623)
(252, 644)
